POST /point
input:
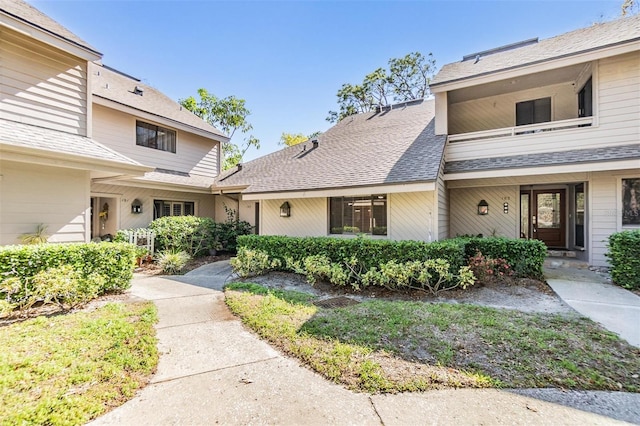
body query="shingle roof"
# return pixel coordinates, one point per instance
(27, 136)
(568, 44)
(389, 147)
(25, 12)
(119, 88)
(626, 152)
(182, 179)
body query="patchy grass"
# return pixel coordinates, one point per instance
(392, 346)
(68, 369)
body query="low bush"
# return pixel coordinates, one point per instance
(112, 261)
(486, 269)
(525, 257)
(172, 261)
(249, 263)
(191, 234)
(624, 256)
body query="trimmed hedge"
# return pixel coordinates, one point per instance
(369, 252)
(191, 234)
(113, 261)
(526, 257)
(624, 256)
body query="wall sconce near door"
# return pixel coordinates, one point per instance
(285, 209)
(136, 206)
(483, 207)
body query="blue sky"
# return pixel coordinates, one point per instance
(289, 58)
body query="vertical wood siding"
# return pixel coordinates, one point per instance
(463, 211)
(617, 112)
(55, 197)
(194, 154)
(42, 86)
(205, 205)
(308, 217)
(411, 216)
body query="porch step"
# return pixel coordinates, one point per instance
(561, 253)
(563, 262)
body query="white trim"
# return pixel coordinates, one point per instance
(49, 38)
(546, 170)
(160, 186)
(162, 121)
(337, 192)
(546, 65)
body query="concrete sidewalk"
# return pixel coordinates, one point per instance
(212, 370)
(615, 308)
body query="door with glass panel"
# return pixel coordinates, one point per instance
(548, 217)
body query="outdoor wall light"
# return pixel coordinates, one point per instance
(285, 209)
(136, 206)
(505, 208)
(483, 208)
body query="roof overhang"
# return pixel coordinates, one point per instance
(345, 191)
(31, 30)
(101, 100)
(136, 182)
(538, 66)
(71, 161)
(598, 166)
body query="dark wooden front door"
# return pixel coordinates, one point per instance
(548, 217)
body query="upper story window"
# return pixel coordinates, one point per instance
(155, 137)
(585, 100)
(352, 215)
(534, 111)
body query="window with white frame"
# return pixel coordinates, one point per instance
(631, 201)
(163, 208)
(363, 214)
(155, 137)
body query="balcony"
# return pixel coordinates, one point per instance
(551, 126)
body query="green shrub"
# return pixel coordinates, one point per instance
(112, 261)
(368, 252)
(525, 257)
(191, 234)
(624, 256)
(173, 261)
(249, 263)
(228, 233)
(487, 269)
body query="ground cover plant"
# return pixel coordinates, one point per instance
(69, 369)
(392, 346)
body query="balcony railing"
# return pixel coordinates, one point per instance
(522, 130)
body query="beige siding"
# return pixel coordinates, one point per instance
(42, 86)
(520, 180)
(194, 154)
(308, 217)
(55, 197)
(495, 112)
(443, 205)
(411, 216)
(204, 203)
(463, 211)
(617, 110)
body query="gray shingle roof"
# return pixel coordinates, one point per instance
(119, 88)
(390, 147)
(568, 44)
(27, 136)
(182, 179)
(25, 12)
(626, 152)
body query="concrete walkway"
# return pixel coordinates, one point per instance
(213, 371)
(615, 308)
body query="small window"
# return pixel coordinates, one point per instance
(585, 100)
(532, 112)
(163, 208)
(155, 137)
(631, 201)
(353, 215)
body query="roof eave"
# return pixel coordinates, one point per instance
(537, 66)
(32, 30)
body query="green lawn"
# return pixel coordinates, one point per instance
(391, 346)
(68, 369)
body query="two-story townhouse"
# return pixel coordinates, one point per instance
(543, 138)
(48, 157)
(142, 123)
(86, 150)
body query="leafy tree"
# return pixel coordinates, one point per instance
(629, 7)
(228, 114)
(291, 139)
(406, 79)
